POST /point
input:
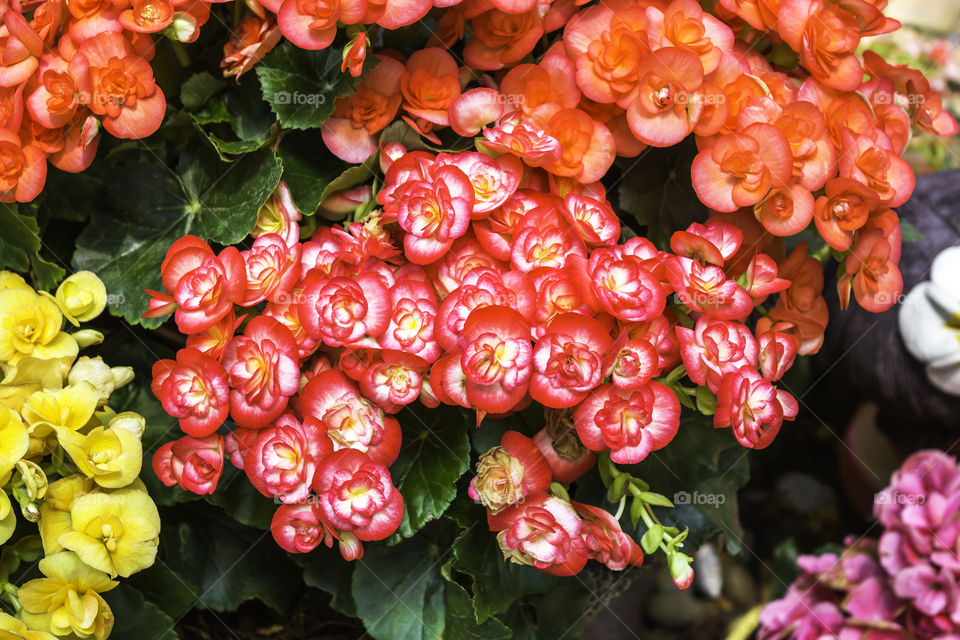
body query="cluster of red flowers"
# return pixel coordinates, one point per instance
(508, 290)
(68, 68)
(497, 277)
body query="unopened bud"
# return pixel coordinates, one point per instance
(87, 338)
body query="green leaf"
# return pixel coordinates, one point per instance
(301, 86)
(237, 120)
(241, 500)
(681, 395)
(431, 461)
(147, 207)
(655, 499)
(308, 168)
(403, 133)
(651, 539)
(705, 468)
(657, 190)
(461, 623)
(20, 247)
(326, 569)
(721, 507)
(910, 232)
(706, 401)
(353, 177)
(562, 613)
(164, 588)
(136, 617)
(399, 592)
(68, 196)
(198, 89)
(228, 562)
(497, 582)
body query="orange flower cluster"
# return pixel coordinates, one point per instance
(819, 143)
(69, 68)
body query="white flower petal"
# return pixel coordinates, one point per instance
(947, 379)
(945, 272)
(924, 330)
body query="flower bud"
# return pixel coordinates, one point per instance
(129, 421)
(34, 479)
(354, 54)
(561, 448)
(680, 569)
(390, 153)
(183, 29)
(122, 376)
(97, 373)
(82, 297)
(87, 338)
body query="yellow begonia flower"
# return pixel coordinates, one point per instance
(28, 376)
(70, 408)
(104, 378)
(55, 510)
(68, 599)
(13, 629)
(116, 532)
(13, 442)
(27, 320)
(82, 297)
(63, 348)
(111, 455)
(11, 280)
(8, 517)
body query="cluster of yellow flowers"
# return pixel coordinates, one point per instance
(69, 461)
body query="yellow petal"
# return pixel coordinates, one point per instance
(11, 280)
(53, 524)
(8, 517)
(90, 551)
(14, 440)
(63, 348)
